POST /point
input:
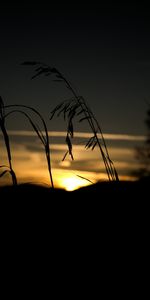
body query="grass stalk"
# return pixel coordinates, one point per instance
(44, 139)
(75, 107)
(7, 143)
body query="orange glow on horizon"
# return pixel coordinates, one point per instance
(72, 183)
(30, 166)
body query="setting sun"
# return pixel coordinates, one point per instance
(72, 183)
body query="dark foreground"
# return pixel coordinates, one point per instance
(100, 230)
(107, 200)
(115, 208)
(113, 198)
(100, 191)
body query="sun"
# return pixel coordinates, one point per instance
(69, 180)
(71, 183)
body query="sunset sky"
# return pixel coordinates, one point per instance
(104, 51)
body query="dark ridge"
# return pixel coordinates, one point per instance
(101, 190)
(115, 210)
(120, 188)
(28, 189)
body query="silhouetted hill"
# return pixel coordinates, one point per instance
(108, 196)
(101, 190)
(110, 219)
(117, 189)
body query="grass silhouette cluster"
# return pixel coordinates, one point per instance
(44, 138)
(75, 107)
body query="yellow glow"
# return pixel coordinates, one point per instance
(65, 163)
(71, 183)
(29, 162)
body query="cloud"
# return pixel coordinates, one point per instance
(29, 160)
(85, 135)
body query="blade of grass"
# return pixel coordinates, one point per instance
(6, 140)
(88, 116)
(44, 140)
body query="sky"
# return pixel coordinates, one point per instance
(103, 50)
(30, 165)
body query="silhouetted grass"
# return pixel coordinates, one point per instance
(6, 169)
(76, 107)
(43, 138)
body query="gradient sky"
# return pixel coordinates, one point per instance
(103, 50)
(30, 164)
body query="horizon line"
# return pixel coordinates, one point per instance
(107, 136)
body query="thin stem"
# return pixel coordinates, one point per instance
(93, 123)
(7, 144)
(88, 113)
(45, 140)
